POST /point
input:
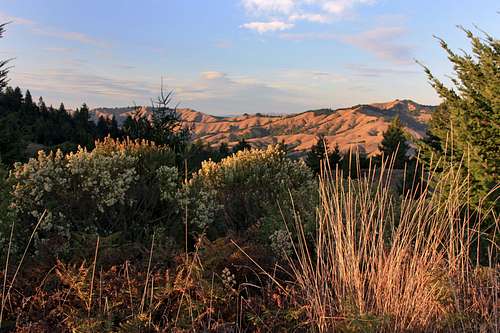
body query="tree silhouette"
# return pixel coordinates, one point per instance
(394, 144)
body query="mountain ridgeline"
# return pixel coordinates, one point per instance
(360, 126)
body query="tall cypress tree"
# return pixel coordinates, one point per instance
(467, 123)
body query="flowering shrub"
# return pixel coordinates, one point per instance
(281, 244)
(113, 188)
(253, 184)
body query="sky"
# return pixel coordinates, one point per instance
(227, 57)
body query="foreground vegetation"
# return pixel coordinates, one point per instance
(124, 235)
(371, 260)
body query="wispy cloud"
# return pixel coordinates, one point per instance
(44, 30)
(269, 6)
(68, 80)
(339, 7)
(212, 75)
(317, 18)
(383, 42)
(377, 72)
(309, 36)
(262, 27)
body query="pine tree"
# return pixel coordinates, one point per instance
(84, 127)
(394, 144)
(3, 64)
(467, 123)
(167, 125)
(335, 156)
(114, 130)
(317, 154)
(42, 107)
(223, 151)
(241, 145)
(102, 129)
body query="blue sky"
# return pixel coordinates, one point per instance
(235, 56)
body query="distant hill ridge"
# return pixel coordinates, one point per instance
(359, 126)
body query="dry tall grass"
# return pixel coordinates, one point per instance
(382, 263)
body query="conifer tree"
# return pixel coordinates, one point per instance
(317, 154)
(114, 130)
(102, 129)
(3, 63)
(241, 145)
(394, 144)
(223, 151)
(467, 123)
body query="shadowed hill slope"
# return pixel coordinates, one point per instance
(359, 126)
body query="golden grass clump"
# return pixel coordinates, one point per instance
(396, 264)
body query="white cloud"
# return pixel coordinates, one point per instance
(317, 18)
(44, 30)
(338, 7)
(212, 75)
(297, 8)
(262, 27)
(279, 15)
(277, 6)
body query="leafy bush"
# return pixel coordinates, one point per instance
(113, 188)
(251, 186)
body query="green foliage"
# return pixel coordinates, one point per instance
(113, 188)
(24, 124)
(252, 185)
(3, 63)
(467, 122)
(161, 124)
(319, 155)
(240, 146)
(394, 144)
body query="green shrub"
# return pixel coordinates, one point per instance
(251, 186)
(115, 188)
(5, 214)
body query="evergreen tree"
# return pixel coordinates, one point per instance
(394, 144)
(42, 107)
(28, 100)
(114, 130)
(129, 127)
(467, 123)
(335, 156)
(167, 126)
(84, 127)
(223, 151)
(241, 145)
(318, 154)
(102, 129)
(3, 63)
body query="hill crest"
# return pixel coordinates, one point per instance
(360, 126)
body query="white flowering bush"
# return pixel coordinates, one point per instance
(252, 185)
(168, 178)
(113, 188)
(281, 244)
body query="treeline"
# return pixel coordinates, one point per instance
(24, 122)
(26, 127)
